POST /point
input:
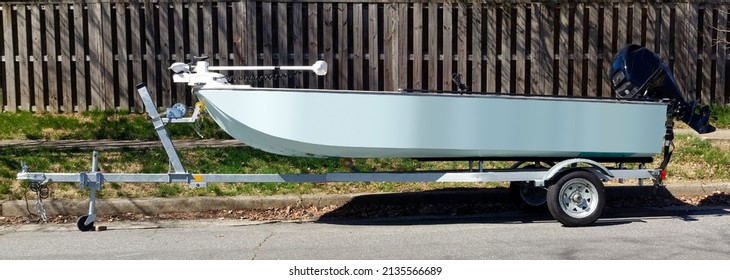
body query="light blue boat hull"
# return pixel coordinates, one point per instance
(326, 123)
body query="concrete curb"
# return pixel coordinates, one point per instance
(151, 206)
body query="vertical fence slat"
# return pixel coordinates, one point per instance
(207, 29)
(651, 27)
(607, 48)
(390, 29)
(313, 23)
(136, 40)
(10, 84)
(686, 52)
(447, 50)
(238, 29)
(343, 52)
(327, 43)
(373, 51)
(357, 47)
(268, 58)
(38, 77)
(433, 51)
(539, 46)
(80, 58)
(297, 41)
(520, 55)
(282, 36)
(250, 37)
(476, 48)
(591, 50)
(107, 59)
(223, 53)
(179, 45)
(417, 45)
(491, 41)
(578, 55)
(193, 30)
(52, 59)
(637, 24)
(461, 42)
(506, 53)
(722, 49)
(150, 54)
(65, 32)
(122, 57)
(563, 52)
(665, 35)
(622, 36)
(403, 45)
(165, 87)
(95, 53)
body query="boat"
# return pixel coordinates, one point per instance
(450, 125)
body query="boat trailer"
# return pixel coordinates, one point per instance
(574, 187)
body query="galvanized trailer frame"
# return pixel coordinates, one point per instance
(575, 194)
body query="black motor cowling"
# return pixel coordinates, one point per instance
(638, 73)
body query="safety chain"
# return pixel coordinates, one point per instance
(264, 77)
(42, 192)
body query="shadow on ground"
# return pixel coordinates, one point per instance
(625, 204)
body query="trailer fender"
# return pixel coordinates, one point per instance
(601, 171)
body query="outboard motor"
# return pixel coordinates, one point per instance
(638, 73)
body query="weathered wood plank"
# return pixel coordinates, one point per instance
(357, 47)
(178, 24)
(223, 53)
(418, 46)
(343, 52)
(433, 51)
(652, 27)
(686, 48)
(193, 38)
(373, 51)
(312, 35)
(505, 55)
(638, 24)
(721, 86)
(298, 42)
(135, 20)
(403, 45)
(268, 41)
(461, 42)
(578, 79)
(538, 48)
(622, 36)
(520, 54)
(207, 29)
(250, 36)
(107, 58)
(706, 55)
(238, 30)
(51, 58)
(95, 56)
(476, 48)
(123, 82)
(80, 58)
(390, 30)
(667, 50)
(491, 46)
(593, 72)
(165, 87)
(37, 44)
(327, 41)
(150, 55)
(65, 32)
(563, 52)
(448, 57)
(282, 38)
(10, 83)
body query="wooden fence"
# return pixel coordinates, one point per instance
(70, 56)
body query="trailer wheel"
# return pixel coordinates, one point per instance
(527, 196)
(577, 198)
(81, 221)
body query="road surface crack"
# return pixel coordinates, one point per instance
(261, 244)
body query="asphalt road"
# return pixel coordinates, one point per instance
(700, 234)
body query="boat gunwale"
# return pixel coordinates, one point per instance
(430, 93)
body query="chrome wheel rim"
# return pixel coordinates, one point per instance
(578, 198)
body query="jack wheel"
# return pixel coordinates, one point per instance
(80, 224)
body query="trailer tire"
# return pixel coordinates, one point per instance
(577, 198)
